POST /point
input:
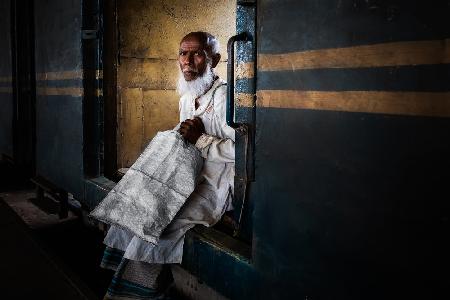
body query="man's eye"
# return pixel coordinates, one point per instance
(182, 53)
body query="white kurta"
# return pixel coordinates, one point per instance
(212, 196)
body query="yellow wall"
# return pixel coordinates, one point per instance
(150, 32)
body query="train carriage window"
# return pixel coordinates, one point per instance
(145, 36)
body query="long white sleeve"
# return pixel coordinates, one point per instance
(215, 149)
(217, 145)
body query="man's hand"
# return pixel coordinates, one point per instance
(192, 129)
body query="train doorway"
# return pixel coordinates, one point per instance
(141, 69)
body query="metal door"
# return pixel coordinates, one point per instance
(351, 148)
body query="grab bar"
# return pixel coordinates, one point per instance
(230, 76)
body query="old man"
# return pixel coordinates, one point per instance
(139, 264)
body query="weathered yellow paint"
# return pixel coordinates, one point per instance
(378, 55)
(65, 75)
(130, 126)
(245, 100)
(98, 74)
(221, 70)
(245, 70)
(156, 74)
(161, 112)
(6, 90)
(6, 79)
(66, 91)
(147, 73)
(150, 32)
(154, 28)
(62, 75)
(398, 103)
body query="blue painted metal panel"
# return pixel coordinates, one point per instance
(96, 189)
(59, 118)
(231, 275)
(350, 205)
(424, 78)
(245, 55)
(292, 25)
(58, 39)
(62, 83)
(92, 45)
(59, 146)
(6, 96)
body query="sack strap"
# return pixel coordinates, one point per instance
(214, 93)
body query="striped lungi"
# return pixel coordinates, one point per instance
(133, 279)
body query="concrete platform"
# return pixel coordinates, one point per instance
(45, 257)
(42, 256)
(27, 271)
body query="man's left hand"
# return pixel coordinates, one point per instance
(192, 129)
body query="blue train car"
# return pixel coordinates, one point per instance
(343, 132)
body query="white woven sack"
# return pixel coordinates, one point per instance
(154, 189)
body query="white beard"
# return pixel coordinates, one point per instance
(197, 87)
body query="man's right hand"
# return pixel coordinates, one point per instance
(192, 129)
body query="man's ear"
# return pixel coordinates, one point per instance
(215, 60)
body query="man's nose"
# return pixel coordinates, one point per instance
(188, 60)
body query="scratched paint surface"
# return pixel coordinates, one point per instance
(150, 32)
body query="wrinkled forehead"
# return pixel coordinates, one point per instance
(193, 42)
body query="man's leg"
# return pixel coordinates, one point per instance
(135, 280)
(111, 258)
(198, 209)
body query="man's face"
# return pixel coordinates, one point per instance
(192, 58)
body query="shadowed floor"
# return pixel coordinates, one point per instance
(44, 257)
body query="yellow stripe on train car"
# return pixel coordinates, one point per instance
(65, 91)
(382, 102)
(367, 56)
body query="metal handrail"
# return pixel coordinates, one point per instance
(230, 76)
